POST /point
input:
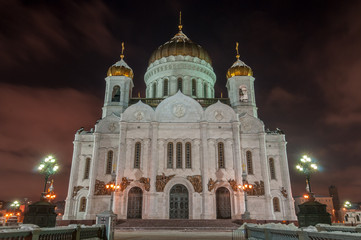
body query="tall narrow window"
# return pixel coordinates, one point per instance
(109, 162)
(137, 152)
(194, 87)
(205, 90)
(179, 155)
(249, 162)
(116, 94)
(154, 90)
(276, 205)
(87, 168)
(165, 87)
(221, 163)
(180, 84)
(188, 155)
(272, 168)
(82, 204)
(170, 155)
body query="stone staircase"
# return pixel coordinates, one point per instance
(177, 224)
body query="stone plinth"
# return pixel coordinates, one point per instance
(311, 213)
(41, 213)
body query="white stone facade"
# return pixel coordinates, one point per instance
(206, 150)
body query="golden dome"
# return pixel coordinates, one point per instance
(120, 69)
(239, 68)
(180, 44)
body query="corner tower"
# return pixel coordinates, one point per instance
(240, 85)
(119, 85)
(180, 64)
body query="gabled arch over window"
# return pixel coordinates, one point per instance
(170, 155)
(188, 155)
(194, 87)
(272, 168)
(116, 94)
(154, 90)
(109, 162)
(249, 162)
(180, 84)
(165, 87)
(205, 90)
(276, 205)
(137, 154)
(179, 155)
(221, 162)
(87, 168)
(82, 204)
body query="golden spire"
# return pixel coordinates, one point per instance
(122, 55)
(180, 26)
(237, 56)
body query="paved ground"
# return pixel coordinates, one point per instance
(171, 235)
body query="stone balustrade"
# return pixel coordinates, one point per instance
(71, 232)
(289, 232)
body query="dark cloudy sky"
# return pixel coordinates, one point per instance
(306, 58)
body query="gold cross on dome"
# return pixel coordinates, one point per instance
(237, 56)
(122, 55)
(180, 26)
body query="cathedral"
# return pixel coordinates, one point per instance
(180, 153)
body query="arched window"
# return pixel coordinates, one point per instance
(82, 205)
(170, 155)
(116, 94)
(221, 163)
(179, 155)
(194, 87)
(180, 84)
(357, 218)
(137, 150)
(87, 168)
(249, 162)
(165, 87)
(205, 90)
(188, 155)
(109, 162)
(272, 168)
(276, 204)
(154, 90)
(243, 95)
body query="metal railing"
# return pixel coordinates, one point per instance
(71, 232)
(321, 232)
(154, 102)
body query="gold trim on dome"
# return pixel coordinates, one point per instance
(239, 71)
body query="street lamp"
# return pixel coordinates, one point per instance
(246, 187)
(48, 167)
(15, 205)
(112, 187)
(306, 166)
(347, 204)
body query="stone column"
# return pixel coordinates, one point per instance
(290, 214)
(74, 173)
(89, 214)
(265, 173)
(196, 154)
(200, 88)
(206, 200)
(172, 85)
(120, 168)
(153, 212)
(237, 166)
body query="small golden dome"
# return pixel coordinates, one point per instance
(239, 68)
(180, 44)
(120, 69)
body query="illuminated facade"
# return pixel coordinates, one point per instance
(180, 152)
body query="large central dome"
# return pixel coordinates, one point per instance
(180, 44)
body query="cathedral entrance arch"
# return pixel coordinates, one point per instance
(135, 202)
(223, 202)
(178, 202)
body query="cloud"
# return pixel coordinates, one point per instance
(36, 122)
(37, 32)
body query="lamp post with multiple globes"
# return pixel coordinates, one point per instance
(307, 166)
(112, 187)
(246, 187)
(48, 167)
